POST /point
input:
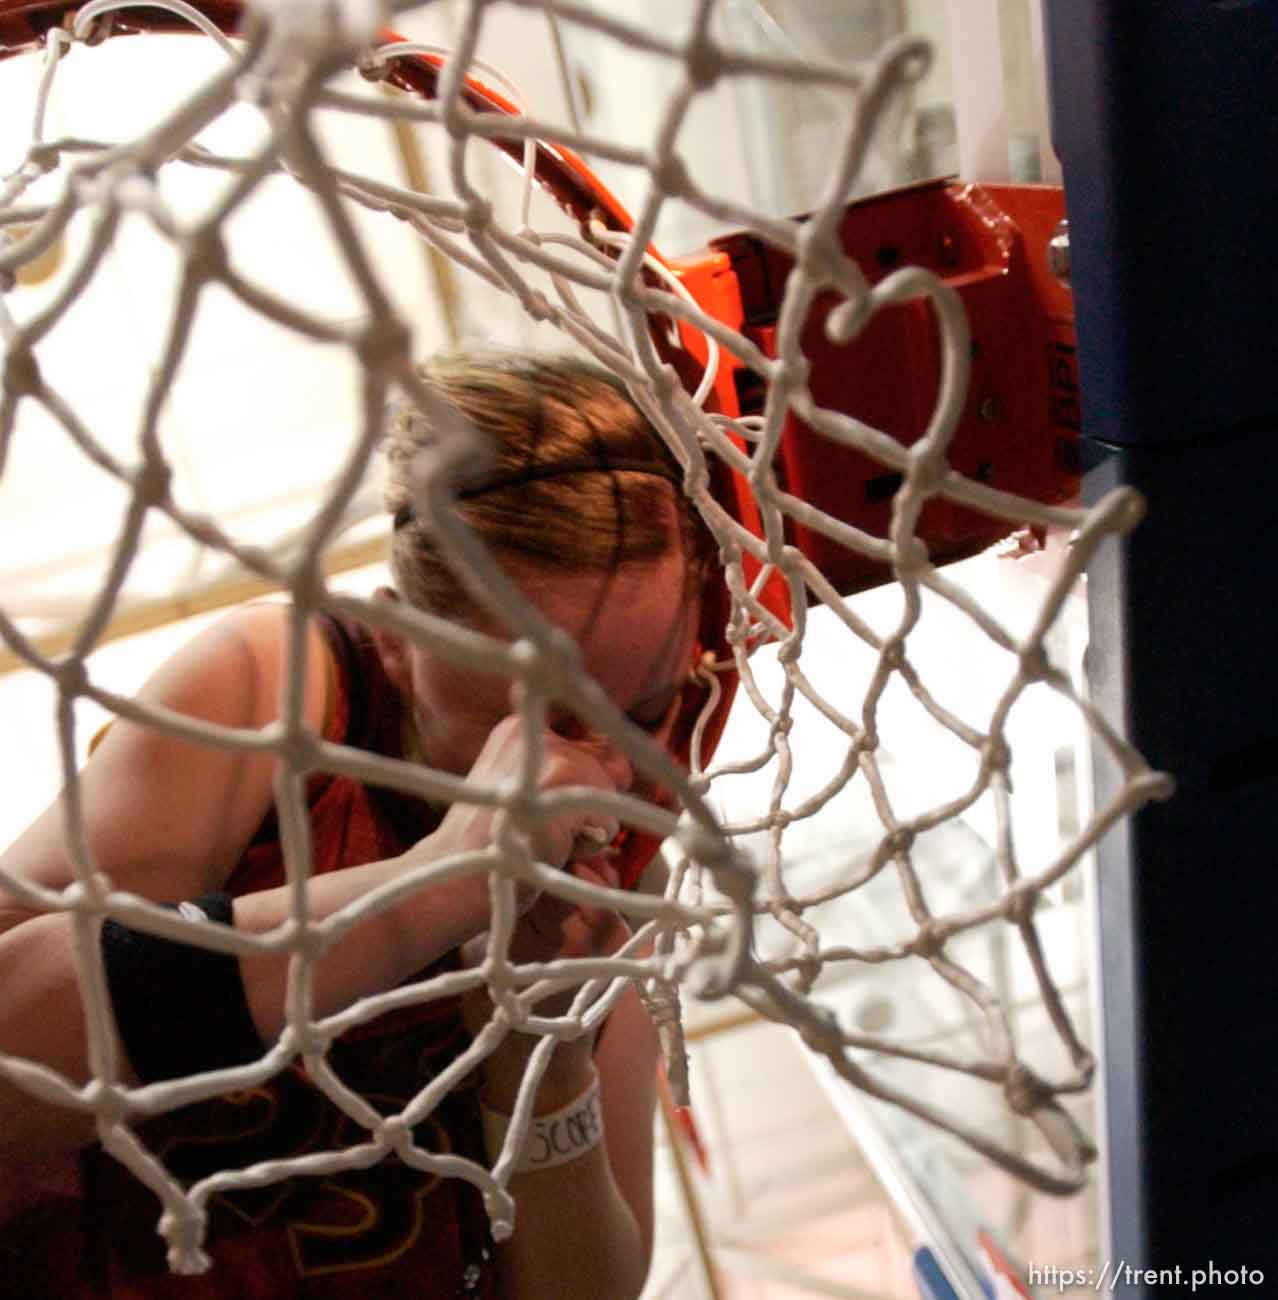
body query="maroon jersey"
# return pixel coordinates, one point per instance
(81, 1227)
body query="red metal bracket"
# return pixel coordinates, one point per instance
(1019, 427)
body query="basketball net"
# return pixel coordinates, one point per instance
(699, 937)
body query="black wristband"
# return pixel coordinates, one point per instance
(180, 1009)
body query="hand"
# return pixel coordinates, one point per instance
(578, 758)
(554, 927)
(550, 928)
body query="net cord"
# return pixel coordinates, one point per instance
(698, 937)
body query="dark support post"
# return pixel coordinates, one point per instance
(1165, 117)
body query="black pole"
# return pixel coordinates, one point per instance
(1165, 118)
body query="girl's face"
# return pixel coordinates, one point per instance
(636, 632)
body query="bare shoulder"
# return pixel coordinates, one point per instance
(233, 673)
(164, 813)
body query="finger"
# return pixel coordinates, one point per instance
(551, 911)
(594, 839)
(597, 873)
(598, 919)
(595, 931)
(614, 763)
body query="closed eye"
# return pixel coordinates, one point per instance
(646, 723)
(651, 713)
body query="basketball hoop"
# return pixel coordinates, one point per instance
(814, 486)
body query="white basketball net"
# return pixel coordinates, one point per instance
(701, 932)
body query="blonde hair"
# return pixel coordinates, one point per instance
(579, 481)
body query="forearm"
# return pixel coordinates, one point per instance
(575, 1231)
(375, 954)
(42, 1016)
(41, 1019)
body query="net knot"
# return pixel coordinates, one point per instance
(997, 756)
(892, 655)
(926, 943)
(206, 252)
(477, 215)
(42, 159)
(911, 558)
(72, 676)
(526, 657)
(1034, 663)
(790, 651)
(791, 372)
(808, 970)
(22, 372)
(1024, 1091)
(184, 1233)
(627, 295)
(898, 842)
(703, 63)
(670, 175)
(306, 1041)
(819, 257)
(821, 1030)
(384, 343)
(700, 843)
(108, 1104)
(307, 941)
(151, 480)
(394, 1133)
(1019, 908)
(928, 468)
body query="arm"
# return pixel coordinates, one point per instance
(583, 1228)
(169, 820)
